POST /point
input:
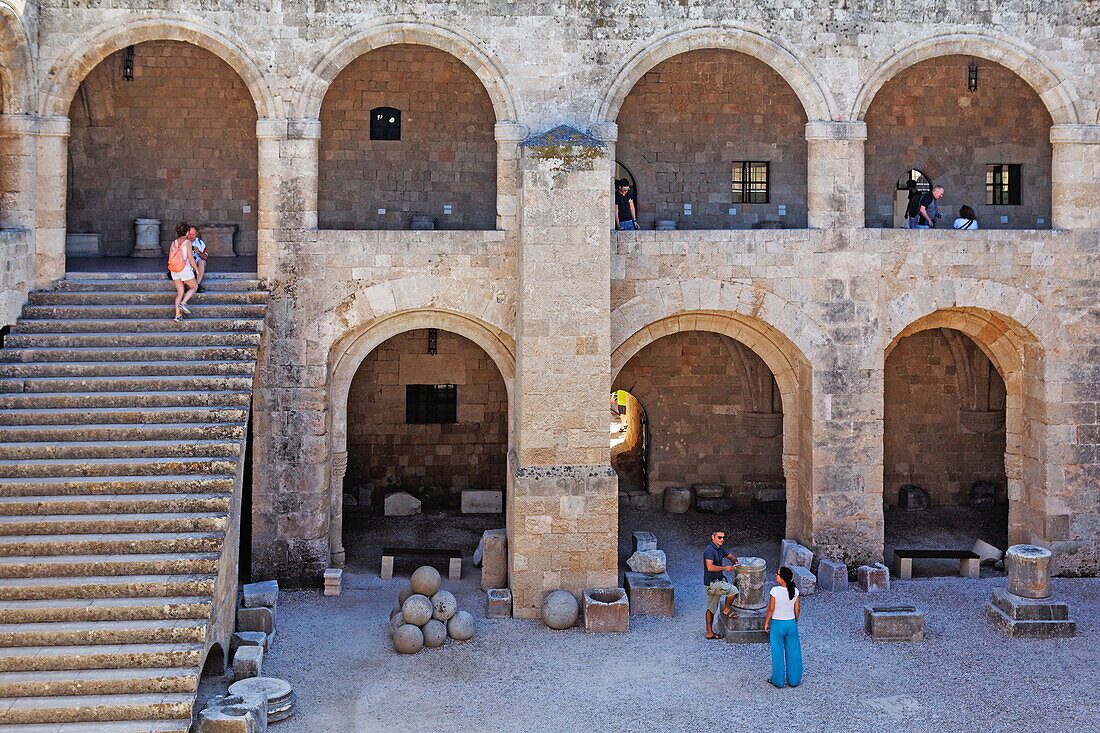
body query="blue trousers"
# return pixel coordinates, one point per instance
(786, 652)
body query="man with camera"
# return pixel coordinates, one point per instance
(927, 210)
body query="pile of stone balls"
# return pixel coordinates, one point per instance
(427, 615)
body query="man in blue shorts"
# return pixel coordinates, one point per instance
(715, 580)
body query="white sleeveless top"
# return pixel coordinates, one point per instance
(784, 605)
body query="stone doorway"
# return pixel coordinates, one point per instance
(629, 442)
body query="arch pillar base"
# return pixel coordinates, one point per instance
(835, 174)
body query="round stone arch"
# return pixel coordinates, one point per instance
(16, 64)
(1057, 94)
(87, 53)
(793, 374)
(471, 53)
(817, 100)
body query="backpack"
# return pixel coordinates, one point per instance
(176, 259)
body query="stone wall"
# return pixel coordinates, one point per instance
(695, 388)
(446, 155)
(925, 441)
(178, 143)
(15, 248)
(689, 118)
(925, 118)
(385, 452)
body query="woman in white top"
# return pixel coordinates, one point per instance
(181, 265)
(781, 621)
(967, 219)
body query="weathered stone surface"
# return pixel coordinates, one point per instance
(401, 504)
(677, 499)
(425, 580)
(408, 639)
(334, 578)
(745, 628)
(460, 627)
(435, 633)
(1028, 569)
(404, 593)
(228, 719)
(913, 498)
(804, 580)
(751, 572)
(709, 491)
(560, 609)
(831, 576)
(893, 623)
(444, 605)
(641, 500)
(481, 544)
(794, 555)
(417, 609)
(770, 494)
(1030, 618)
(644, 541)
(494, 562)
(276, 693)
(983, 494)
(248, 662)
(987, 553)
(256, 619)
(647, 561)
(873, 578)
(264, 593)
(397, 620)
(606, 610)
(248, 638)
(482, 502)
(714, 506)
(499, 603)
(650, 595)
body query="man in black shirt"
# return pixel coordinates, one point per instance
(715, 581)
(626, 215)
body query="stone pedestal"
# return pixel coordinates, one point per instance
(873, 578)
(1028, 569)
(499, 603)
(677, 499)
(1030, 618)
(893, 623)
(606, 610)
(750, 583)
(746, 628)
(650, 595)
(147, 239)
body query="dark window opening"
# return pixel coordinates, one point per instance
(750, 182)
(385, 123)
(428, 404)
(924, 184)
(1002, 184)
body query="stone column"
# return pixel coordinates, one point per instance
(287, 186)
(562, 507)
(336, 509)
(50, 199)
(835, 170)
(1028, 569)
(17, 151)
(750, 583)
(1074, 178)
(508, 136)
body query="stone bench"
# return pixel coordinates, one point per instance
(969, 562)
(454, 557)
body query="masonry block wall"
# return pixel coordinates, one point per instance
(686, 122)
(925, 118)
(178, 143)
(695, 388)
(446, 155)
(385, 453)
(925, 441)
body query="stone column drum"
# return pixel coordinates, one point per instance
(1028, 571)
(750, 581)
(146, 238)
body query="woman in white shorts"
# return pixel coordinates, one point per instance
(181, 249)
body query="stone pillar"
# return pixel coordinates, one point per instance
(50, 199)
(562, 507)
(1028, 569)
(750, 583)
(835, 170)
(1074, 177)
(17, 164)
(287, 186)
(508, 136)
(336, 509)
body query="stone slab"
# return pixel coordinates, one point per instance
(482, 502)
(494, 562)
(650, 595)
(804, 580)
(481, 544)
(401, 504)
(831, 576)
(644, 541)
(248, 662)
(793, 555)
(264, 593)
(606, 610)
(256, 619)
(498, 603)
(893, 623)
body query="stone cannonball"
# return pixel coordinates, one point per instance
(461, 626)
(396, 621)
(560, 609)
(444, 605)
(404, 594)
(408, 639)
(435, 633)
(417, 610)
(395, 611)
(426, 581)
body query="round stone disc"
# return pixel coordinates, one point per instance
(270, 687)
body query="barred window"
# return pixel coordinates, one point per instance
(1002, 184)
(750, 182)
(427, 404)
(385, 123)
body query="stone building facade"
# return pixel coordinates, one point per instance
(841, 99)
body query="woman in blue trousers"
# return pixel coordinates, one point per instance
(781, 623)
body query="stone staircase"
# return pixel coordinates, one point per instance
(122, 439)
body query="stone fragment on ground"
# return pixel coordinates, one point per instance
(792, 554)
(647, 561)
(256, 619)
(264, 593)
(401, 504)
(498, 603)
(644, 541)
(831, 575)
(913, 498)
(873, 578)
(804, 580)
(478, 553)
(714, 506)
(248, 662)
(677, 499)
(494, 562)
(650, 595)
(893, 623)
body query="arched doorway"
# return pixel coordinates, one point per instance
(911, 180)
(629, 442)
(161, 130)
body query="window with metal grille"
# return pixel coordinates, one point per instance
(750, 182)
(1002, 184)
(426, 404)
(385, 123)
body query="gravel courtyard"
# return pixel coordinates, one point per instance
(516, 675)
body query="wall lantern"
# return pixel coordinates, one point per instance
(128, 64)
(972, 78)
(433, 341)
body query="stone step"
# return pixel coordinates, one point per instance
(113, 726)
(114, 523)
(123, 431)
(193, 324)
(123, 415)
(79, 708)
(68, 566)
(136, 656)
(132, 586)
(112, 504)
(162, 312)
(84, 282)
(212, 276)
(118, 449)
(110, 544)
(95, 633)
(128, 369)
(104, 609)
(144, 399)
(88, 354)
(99, 682)
(30, 468)
(196, 382)
(128, 297)
(89, 485)
(66, 337)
